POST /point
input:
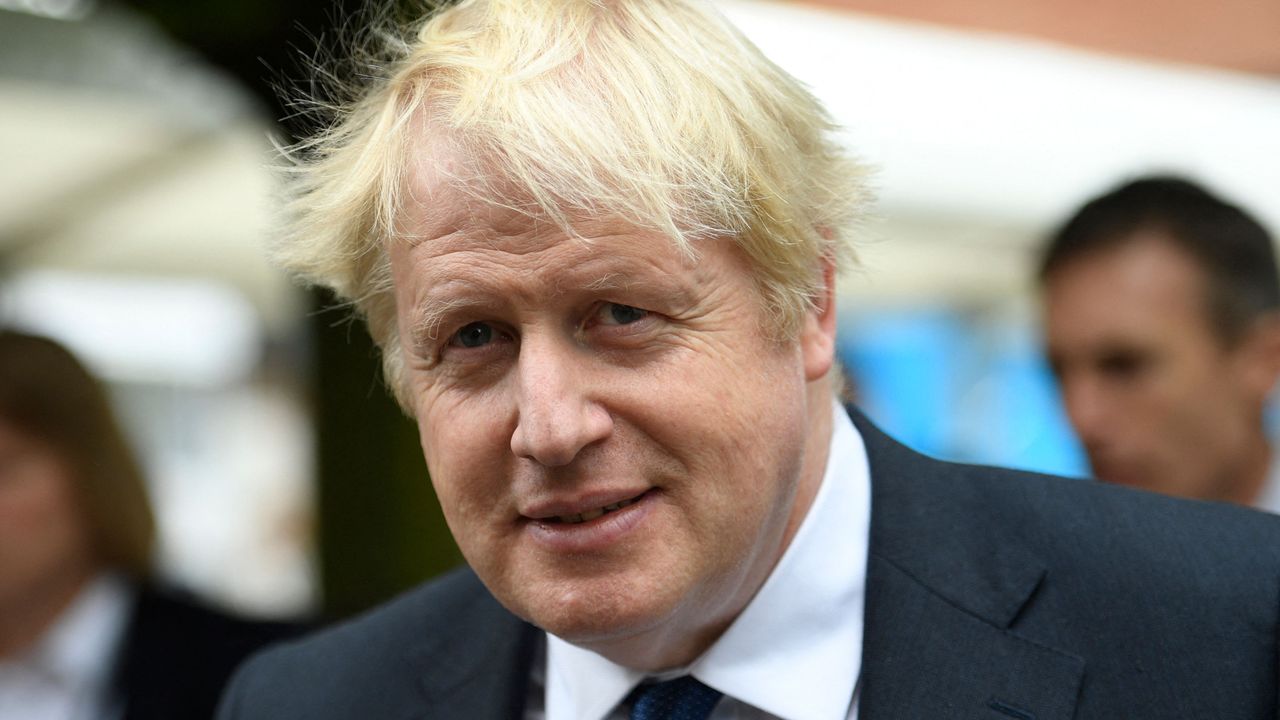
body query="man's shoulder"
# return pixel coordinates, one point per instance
(1087, 526)
(1063, 519)
(1103, 599)
(425, 608)
(963, 529)
(380, 660)
(1088, 519)
(379, 635)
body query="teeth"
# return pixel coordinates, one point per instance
(593, 514)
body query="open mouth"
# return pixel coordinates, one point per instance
(593, 514)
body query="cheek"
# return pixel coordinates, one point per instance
(40, 523)
(41, 497)
(466, 445)
(1193, 403)
(742, 432)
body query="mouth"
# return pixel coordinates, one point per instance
(580, 510)
(576, 528)
(592, 514)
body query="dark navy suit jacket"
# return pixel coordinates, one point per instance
(990, 594)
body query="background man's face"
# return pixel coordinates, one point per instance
(1157, 399)
(566, 379)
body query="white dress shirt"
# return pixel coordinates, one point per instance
(67, 675)
(795, 651)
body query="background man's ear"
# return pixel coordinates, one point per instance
(818, 333)
(1260, 355)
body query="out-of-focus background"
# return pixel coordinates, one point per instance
(136, 198)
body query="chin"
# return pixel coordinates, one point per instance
(1129, 478)
(599, 630)
(601, 613)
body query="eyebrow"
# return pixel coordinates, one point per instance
(431, 315)
(609, 281)
(443, 301)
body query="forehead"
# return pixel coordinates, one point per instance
(457, 205)
(448, 230)
(455, 197)
(1145, 290)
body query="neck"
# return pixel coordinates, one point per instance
(25, 619)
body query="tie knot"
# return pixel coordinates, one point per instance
(683, 698)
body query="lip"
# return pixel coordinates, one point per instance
(593, 535)
(587, 502)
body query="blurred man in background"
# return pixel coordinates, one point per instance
(85, 631)
(1160, 305)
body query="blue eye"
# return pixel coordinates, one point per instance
(474, 335)
(625, 314)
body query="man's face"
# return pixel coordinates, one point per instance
(1156, 397)
(620, 450)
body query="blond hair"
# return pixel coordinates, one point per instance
(658, 112)
(46, 394)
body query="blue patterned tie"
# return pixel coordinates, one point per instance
(681, 699)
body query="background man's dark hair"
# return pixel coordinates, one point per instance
(1232, 248)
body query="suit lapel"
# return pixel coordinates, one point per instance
(478, 667)
(944, 585)
(925, 657)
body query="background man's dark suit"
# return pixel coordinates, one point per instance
(178, 654)
(990, 594)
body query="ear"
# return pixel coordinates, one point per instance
(818, 333)
(1259, 356)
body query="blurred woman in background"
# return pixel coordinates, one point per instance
(85, 631)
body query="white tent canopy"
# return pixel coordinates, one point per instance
(126, 154)
(983, 142)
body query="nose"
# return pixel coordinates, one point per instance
(1087, 407)
(556, 414)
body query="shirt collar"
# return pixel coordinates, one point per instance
(79, 647)
(796, 649)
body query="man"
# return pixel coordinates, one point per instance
(1161, 313)
(597, 242)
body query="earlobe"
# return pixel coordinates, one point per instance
(1263, 355)
(818, 334)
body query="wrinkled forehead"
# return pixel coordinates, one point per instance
(452, 195)
(446, 194)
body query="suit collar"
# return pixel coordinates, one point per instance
(945, 584)
(478, 665)
(915, 524)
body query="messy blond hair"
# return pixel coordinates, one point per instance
(658, 112)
